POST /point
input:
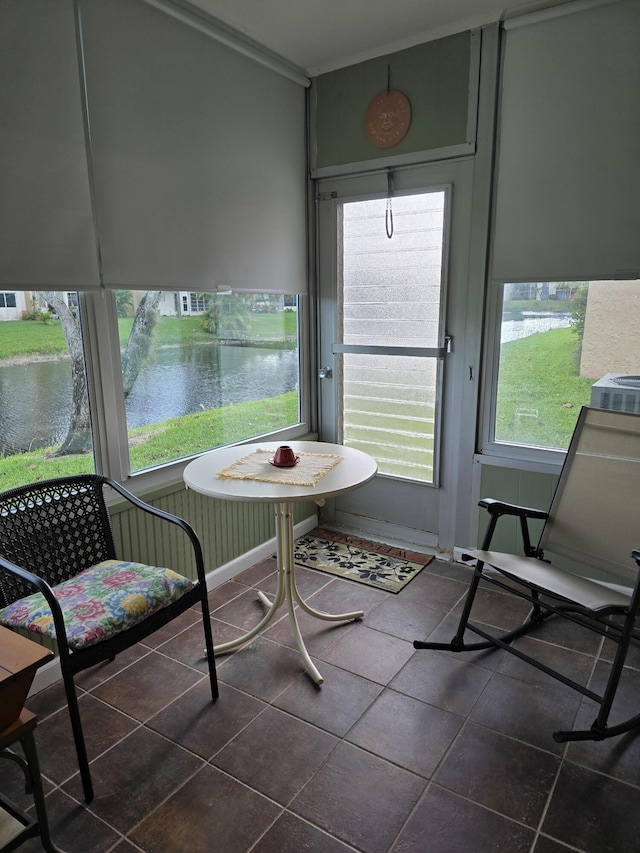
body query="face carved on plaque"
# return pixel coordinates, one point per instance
(387, 119)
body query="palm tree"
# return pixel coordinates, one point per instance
(227, 316)
(124, 303)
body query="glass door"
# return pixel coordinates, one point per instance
(390, 304)
(392, 300)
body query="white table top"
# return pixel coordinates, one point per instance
(354, 469)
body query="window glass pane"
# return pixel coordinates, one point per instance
(7, 300)
(391, 287)
(45, 428)
(391, 296)
(389, 411)
(202, 370)
(564, 345)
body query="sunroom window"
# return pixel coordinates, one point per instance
(564, 345)
(193, 382)
(45, 423)
(188, 383)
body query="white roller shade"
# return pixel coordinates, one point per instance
(198, 157)
(46, 226)
(568, 182)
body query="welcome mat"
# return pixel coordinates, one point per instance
(360, 560)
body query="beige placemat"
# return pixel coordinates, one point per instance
(310, 469)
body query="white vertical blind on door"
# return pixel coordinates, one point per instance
(568, 182)
(198, 157)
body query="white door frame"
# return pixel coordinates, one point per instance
(398, 510)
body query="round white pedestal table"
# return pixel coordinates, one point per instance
(353, 469)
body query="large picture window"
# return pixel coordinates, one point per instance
(189, 381)
(564, 345)
(224, 371)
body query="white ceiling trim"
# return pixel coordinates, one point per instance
(205, 23)
(401, 44)
(525, 19)
(305, 38)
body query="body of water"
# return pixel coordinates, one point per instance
(35, 398)
(513, 330)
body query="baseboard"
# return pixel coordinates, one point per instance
(46, 676)
(390, 534)
(457, 555)
(50, 672)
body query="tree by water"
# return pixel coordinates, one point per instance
(139, 342)
(225, 316)
(78, 437)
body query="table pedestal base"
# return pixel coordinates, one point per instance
(288, 591)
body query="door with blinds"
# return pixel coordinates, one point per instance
(390, 298)
(385, 264)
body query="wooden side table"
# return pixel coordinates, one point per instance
(19, 659)
(22, 731)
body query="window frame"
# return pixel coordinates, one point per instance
(437, 350)
(106, 395)
(3, 299)
(488, 447)
(498, 452)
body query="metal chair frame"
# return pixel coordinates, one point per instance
(554, 592)
(52, 530)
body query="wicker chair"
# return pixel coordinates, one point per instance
(594, 520)
(60, 577)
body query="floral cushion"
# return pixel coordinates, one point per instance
(99, 602)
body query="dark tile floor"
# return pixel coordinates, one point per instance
(400, 750)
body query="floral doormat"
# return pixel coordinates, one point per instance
(360, 560)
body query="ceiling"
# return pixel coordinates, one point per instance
(322, 35)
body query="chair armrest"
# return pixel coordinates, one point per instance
(45, 589)
(165, 516)
(635, 555)
(495, 507)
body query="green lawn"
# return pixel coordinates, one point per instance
(175, 438)
(172, 331)
(540, 392)
(19, 338)
(25, 337)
